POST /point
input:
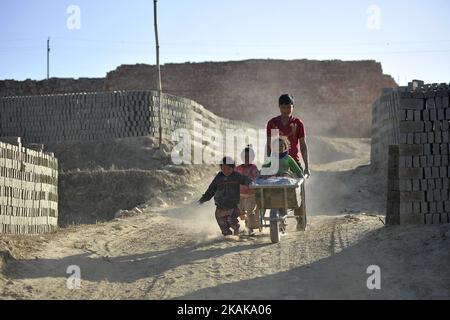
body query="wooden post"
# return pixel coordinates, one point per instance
(159, 85)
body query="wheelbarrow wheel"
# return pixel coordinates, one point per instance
(274, 226)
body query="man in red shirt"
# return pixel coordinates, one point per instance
(292, 128)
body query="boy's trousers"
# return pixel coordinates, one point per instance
(227, 218)
(248, 205)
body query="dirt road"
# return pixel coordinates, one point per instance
(178, 253)
(161, 257)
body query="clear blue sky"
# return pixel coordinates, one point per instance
(409, 37)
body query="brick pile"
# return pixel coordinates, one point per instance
(101, 116)
(28, 188)
(411, 139)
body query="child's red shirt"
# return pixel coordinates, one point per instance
(250, 171)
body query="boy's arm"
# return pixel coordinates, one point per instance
(257, 173)
(268, 149)
(304, 152)
(244, 180)
(295, 168)
(269, 128)
(210, 192)
(266, 164)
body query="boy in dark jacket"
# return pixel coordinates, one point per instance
(225, 188)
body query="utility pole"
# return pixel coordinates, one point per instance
(159, 86)
(48, 58)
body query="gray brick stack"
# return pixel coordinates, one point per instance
(98, 116)
(411, 142)
(28, 189)
(385, 127)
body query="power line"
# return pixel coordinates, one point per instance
(224, 44)
(214, 50)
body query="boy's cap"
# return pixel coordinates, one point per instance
(228, 161)
(286, 99)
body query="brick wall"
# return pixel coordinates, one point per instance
(28, 189)
(97, 116)
(410, 142)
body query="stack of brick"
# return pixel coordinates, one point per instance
(418, 162)
(385, 127)
(28, 189)
(101, 116)
(80, 116)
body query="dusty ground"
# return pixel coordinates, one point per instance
(177, 251)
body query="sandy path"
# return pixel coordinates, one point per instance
(179, 253)
(155, 257)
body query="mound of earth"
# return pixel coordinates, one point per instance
(96, 196)
(97, 179)
(115, 154)
(325, 150)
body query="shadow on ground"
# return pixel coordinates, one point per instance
(125, 269)
(414, 271)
